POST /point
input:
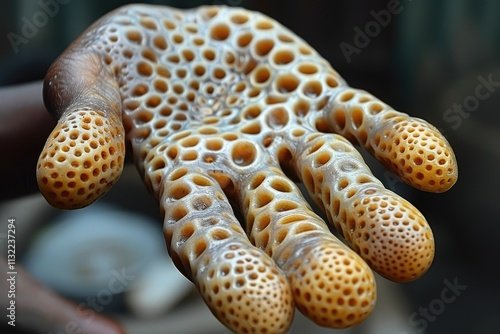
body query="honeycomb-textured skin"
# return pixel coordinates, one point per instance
(331, 284)
(415, 151)
(388, 232)
(239, 283)
(224, 105)
(410, 147)
(82, 159)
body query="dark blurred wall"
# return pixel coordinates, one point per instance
(322, 23)
(448, 64)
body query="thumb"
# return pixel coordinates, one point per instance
(83, 156)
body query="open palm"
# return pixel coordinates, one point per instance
(224, 110)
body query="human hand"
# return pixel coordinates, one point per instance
(224, 108)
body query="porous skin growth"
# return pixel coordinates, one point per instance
(82, 159)
(224, 103)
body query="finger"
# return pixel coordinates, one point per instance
(410, 147)
(83, 156)
(331, 284)
(240, 284)
(42, 311)
(389, 233)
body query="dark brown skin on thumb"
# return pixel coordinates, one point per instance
(79, 80)
(81, 91)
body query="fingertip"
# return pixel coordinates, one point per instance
(390, 234)
(246, 291)
(82, 159)
(418, 153)
(331, 284)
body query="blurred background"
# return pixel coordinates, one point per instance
(435, 60)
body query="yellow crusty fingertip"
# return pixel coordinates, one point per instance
(390, 234)
(332, 285)
(418, 153)
(246, 292)
(82, 158)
